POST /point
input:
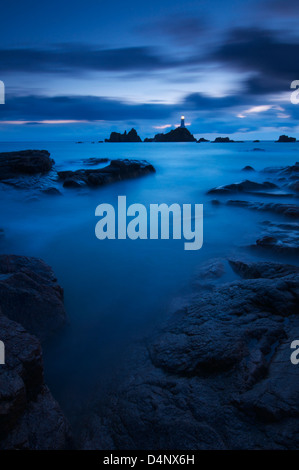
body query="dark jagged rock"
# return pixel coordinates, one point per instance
(30, 418)
(116, 171)
(245, 186)
(202, 139)
(25, 162)
(180, 134)
(248, 168)
(285, 138)
(223, 140)
(217, 376)
(30, 295)
(131, 136)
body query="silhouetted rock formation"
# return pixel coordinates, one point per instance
(202, 139)
(285, 138)
(116, 171)
(180, 134)
(24, 162)
(222, 140)
(248, 168)
(131, 136)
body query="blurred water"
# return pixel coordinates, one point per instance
(117, 290)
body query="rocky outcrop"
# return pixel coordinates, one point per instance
(245, 186)
(180, 134)
(202, 139)
(25, 162)
(30, 295)
(289, 210)
(285, 138)
(222, 140)
(117, 170)
(217, 376)
(131, 136)
(30, 418)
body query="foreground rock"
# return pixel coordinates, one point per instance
(25, 162)
(30, 295)
(218, 376)
(117, 170)
(30, 418)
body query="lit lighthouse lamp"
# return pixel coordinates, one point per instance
(182, 121)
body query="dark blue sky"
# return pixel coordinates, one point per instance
(76, 70)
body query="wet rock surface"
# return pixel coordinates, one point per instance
(218, 375)
(30, 295)
(25, 162)
(117, 170)
(30, 418)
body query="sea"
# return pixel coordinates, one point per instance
(117, 292)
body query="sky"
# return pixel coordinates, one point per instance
(77, 70)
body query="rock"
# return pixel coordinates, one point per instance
(116, 171)
(223, 140)
(266, 270)
(131, 136)
(51, 191)
(213, 376)
(202, 139)
(256, 141)
(258, 150)
(94, 161)
(248, 168)
(290, 210)
(30, 295)
(285, 138)
(25, 162)
(246, 186)
(30, 418)
(180, 134)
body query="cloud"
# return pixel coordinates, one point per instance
(273, 60)
(67, 59)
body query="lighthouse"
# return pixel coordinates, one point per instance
(182, 121)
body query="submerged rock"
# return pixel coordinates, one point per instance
(117, 170)
(30, 295)
(290, 210)
(244, 186)
(248, 168)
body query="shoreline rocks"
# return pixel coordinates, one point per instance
(117, 170)
(217, 375)
(30, 418)
(30, 295)
(24, 162)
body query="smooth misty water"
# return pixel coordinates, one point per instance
(117, 291)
